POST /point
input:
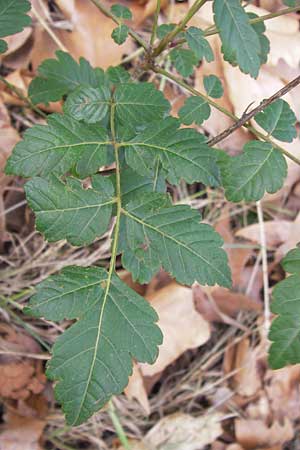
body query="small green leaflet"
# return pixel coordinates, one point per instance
(117, 75)
(3, 46)
(172, 237)
(115, 325)
(195, 109)
(88, 104)
(59, 77)
(278, 120)
(121, 11)
(184, 61)
(57, 147)
(133, 184)
(183, 153)
(213, 86)
(13, 18)
(239, 40)
(289, 2)
(198, 44)
(68, 211)
(259, 169)
(285, 329)
(120, 34)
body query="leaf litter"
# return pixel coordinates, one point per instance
(210, 387)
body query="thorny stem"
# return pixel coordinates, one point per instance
(170, 36)
(107, 12)
(155, 21)
(253, 130)
(247, 116)
(23, 97)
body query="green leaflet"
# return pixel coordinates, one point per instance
(121, 11)
(56, 147)
(133, 184)
(88, 104)
(240, 42)
(160, 234)
(195, 109)
(183, 153)
(259, 169)
(120, 34)
(139, 103)
(278, 120)
(13, 18)
(117, 75)
(184, 61)
(285, 329)
(68, 211)
(59, 77)
(259, 29)
(198, 44)
(92, 360)
(213, 86)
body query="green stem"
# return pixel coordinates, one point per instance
(155, 21)
(253, 130)
(118, 426)
(23, 97)
(210, 31)
(170, 36)
(107, 12)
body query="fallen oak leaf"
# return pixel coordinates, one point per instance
(264, 436)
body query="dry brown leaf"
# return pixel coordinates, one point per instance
(21, 433)
(277, 231)
(283, 389)
(15, 41)
(136, 389)
(255, 434)
(184, 432)
(243, 358)
(19, 378)
(90, 36)
(292, 239)
(175, 307)
(222, 303)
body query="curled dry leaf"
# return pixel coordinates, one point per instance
(184, 432)
(254, 434)
(277, 232)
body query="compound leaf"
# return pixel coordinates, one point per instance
(278, 120)
(198, 44)
(120, 34)
(240, 42)
(183, 153)
(114, 326)
(56, 147)
(13, 18)
(59, 77)
(88, 104)
(171, 236)
(184, 60)
(285, 329)
(195, 109)
(68, 211)
(213, 86)
(259, 169)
